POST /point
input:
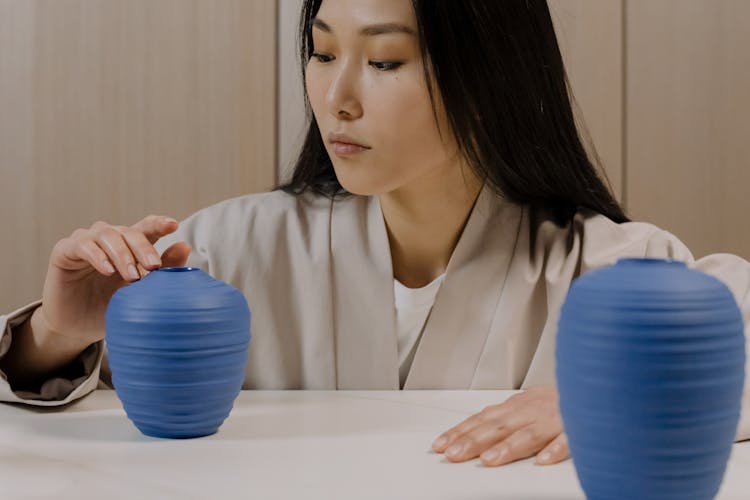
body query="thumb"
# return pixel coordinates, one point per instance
(556, 451)
(176, 255)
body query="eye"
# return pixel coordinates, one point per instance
(324, 58)
(385, 65)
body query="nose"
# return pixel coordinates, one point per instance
(342, 98)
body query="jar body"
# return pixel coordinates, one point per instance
(177, 343)
(650, 360)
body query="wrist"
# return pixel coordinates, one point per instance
(48, 339)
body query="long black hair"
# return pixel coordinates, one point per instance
(500, 75)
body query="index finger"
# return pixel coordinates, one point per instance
(492, 412)
(154, 227)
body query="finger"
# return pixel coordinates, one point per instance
(141, 247)
(154, 227)
(556, 451)
(111, 241)
(449, 437)
(79, 252)
(523, 443)
(474, 442)
(176, 255)
(96, 257)
(142, 270)
(490, 413)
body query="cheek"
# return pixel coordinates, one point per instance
(408, 123)
(316, 90)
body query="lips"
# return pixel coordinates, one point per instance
(344, 144)
(342, 148)
(346, 139)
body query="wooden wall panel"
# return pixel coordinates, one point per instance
(688, 103)
(113, 110)
(292, 120)
(589, 33)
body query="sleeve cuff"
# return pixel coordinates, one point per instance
(74, 381)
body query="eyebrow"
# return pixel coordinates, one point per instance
(371, 30)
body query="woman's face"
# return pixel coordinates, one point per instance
(365, 80)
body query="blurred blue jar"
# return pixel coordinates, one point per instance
(650, 360)
(178, 342)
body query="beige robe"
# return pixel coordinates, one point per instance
(317, 275)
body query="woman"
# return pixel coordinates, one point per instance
(438, 212)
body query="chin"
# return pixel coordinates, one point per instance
(360, 189)
(362, 185)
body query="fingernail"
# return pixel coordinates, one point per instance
(454, 450)
(440, 442)
(108, 267)
(168, 220)
(133, 272)
(152, 260)
(490, 456)
(544, 457)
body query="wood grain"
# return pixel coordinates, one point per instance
(688, 103)
(114, 110)
(589, 33)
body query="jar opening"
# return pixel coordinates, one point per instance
(178, 269)
(650, 261)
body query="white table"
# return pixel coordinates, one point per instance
(285, 444)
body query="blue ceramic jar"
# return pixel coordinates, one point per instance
(177, 343)
(650, 362)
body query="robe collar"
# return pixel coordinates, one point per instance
(459, 323)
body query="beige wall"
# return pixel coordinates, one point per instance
(292, 120)
(589, 34)
(113, 110)
(664, 86)
(688, 120)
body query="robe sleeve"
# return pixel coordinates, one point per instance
(591, 241)
(734, 272)
(604, 242)
(90, 370)
(220, 236)
(71, 382)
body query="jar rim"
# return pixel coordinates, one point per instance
(177, 269)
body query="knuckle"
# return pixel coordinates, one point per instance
(531, 433)
(149, 220)
(60, 245)
(104, 231)
(92, 253)
(487, 412)
(79, 233)
(98, 225)
(93, 248)
(129, 232)
(125, 256)
(451, 436)
(537, 406)
(86, 245)
(467, 442)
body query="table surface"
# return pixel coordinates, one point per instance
(280, 444)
